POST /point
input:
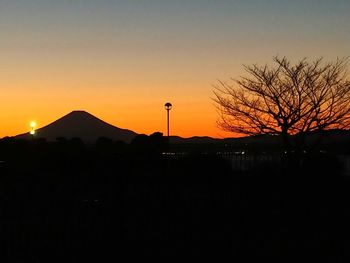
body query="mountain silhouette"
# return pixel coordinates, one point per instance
(83, 125)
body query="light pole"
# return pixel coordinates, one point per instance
(168, 107)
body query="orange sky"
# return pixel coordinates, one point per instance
(121, 61)
(42, 92)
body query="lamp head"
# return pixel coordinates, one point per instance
(168, 106)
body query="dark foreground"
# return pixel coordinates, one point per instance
(69, 204)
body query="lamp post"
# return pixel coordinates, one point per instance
(168, 107)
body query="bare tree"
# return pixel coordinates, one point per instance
(286, 99)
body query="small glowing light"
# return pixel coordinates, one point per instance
(32, 132)
(32, 124)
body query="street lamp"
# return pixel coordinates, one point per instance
(168, 107)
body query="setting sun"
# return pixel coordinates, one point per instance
(122, 60)
(32, 124)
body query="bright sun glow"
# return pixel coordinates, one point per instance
(32, 124)
(32, 132)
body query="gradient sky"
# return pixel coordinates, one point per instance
(122, 60)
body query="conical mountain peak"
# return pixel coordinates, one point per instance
(80, 113)
(84, 125)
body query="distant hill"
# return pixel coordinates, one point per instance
(83, 125)
(210, 140)
(328, 136)
(89, 128)
(195, 139)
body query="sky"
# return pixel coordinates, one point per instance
(123, 60)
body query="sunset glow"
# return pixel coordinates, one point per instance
(122, 60)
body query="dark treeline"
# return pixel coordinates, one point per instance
(68, 201)
(333, 141)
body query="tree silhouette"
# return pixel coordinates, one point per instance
(286, 99)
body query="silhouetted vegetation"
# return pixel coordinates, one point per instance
(69, 201)
(286, 100)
